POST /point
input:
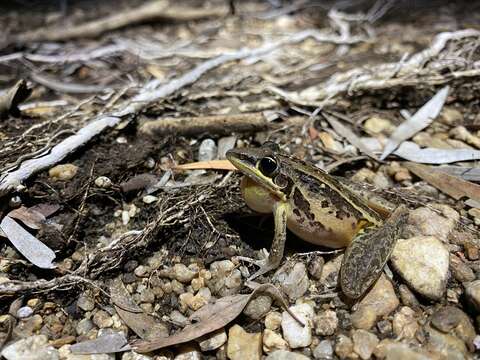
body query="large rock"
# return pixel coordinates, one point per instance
(422, 261)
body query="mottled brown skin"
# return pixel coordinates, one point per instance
(318, 208)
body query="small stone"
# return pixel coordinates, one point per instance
(31, 348)
(85, 302)
(295, 282)
(296, 334)
(405, 324)
(450, 116)
(225, 144)
(258, 307)
(147, 296)
(384, 327)
(273, 341)
(149, 199)
(451, 319)
(130, 265)
(427, 222)
(273, 320)
(330, 272)
(343, 346)
(242, 345)
(391, 350)
(285, 355)
(24, 312)
(224, 279)
(63, 172)
(66, 354)
(84, 326)
(364, 343)
(315, 267)
(472, 252)
(326, 323)
(426, 268)
(460, 271)
(183, 274)
(131, 355)
(408, 297)
(103, 182)
(102, 319)
(449, 346)
(178, 318)
(27, 327)
(141, 271)
(377, 125)
(324, 350)
(57, 343)
(207, 150)
(472, 293)
(200, 299)
(177, 287)
(379, 302)
(213, 340)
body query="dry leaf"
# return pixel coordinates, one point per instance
(206, 165)
(30, 217)
(28, 245)
(420, 120)
(107, 344)
(448, 184)
(10, 99)
(145, 326)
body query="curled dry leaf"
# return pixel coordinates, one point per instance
(420, 120)
(11, 98)
(28, 245)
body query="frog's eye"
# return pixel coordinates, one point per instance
(268, 166)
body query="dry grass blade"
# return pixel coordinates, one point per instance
(207, 165)
(419, 121)
(28, 245)
(451, 185)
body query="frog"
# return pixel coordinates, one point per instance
(321, 209)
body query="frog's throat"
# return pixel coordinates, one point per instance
(258, 178)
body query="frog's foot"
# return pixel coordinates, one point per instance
(264, 264)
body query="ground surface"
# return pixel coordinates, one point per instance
(122, 219)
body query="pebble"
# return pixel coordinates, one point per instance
(295, 282)
(324, 350)
(103, 182)
(84, 326)
(326, 323)
(146, 295)
(141, 271)
(297, 335)
(364, 342)
(343, 346)
(426, 268)
(472, 293)
(27, 327)
(207, 150)
(315, 267)
(258, 307)
(31, 348)
(450, 116)
(85, 302)
(178, 318)
(225, 144)
(273, 341)
(149, 199)
(377, 125)
(330, 272)
(391, 350)
(213, 340)
(426, 221)
(132, 355)
(273, 320)
(379, 302)
(24, 312)
(405, 324)
(183, 274)
(242, 345)
(63, 172)
(460, 271)
(224, 279)
(285, 355)
(408, 297)
(102, 319)
(449, 346)
(451, 319)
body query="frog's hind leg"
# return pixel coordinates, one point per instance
(280, 211)
(366, 256)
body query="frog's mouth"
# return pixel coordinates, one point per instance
(247, 164)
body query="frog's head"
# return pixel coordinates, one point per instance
(262, 165)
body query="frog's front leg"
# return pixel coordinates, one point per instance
(366, 256)
(280, 212)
